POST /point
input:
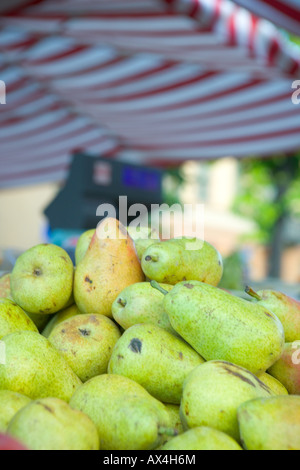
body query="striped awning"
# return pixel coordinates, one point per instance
(151, 81)
(284, 13)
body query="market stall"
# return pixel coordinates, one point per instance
(133, 343)
(157, 82)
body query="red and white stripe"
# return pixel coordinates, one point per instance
(162, 81)
(284, 13)
(215, 33)
(38, 133)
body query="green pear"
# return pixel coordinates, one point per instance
(42, 279)
(10, 404)
(83, 244)
(110, 265)
(86, 342)
(175, 421)
(140, 303)
(59, 317)
(13, 318)
(202, 438)
(126, 416)
(221, 326)
(212, 393)
(270, 424)
(33, 367)
(285, 308)
(143, 237)
(71, 300)
(155, 359)
(5, 292)
(287, 368)
(184, 259)
(51, 424)
(40, 321)
(274, 384)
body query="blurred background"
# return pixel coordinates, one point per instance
(191, 107)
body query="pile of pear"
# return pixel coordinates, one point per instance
(135, 347)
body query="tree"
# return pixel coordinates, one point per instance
(269, 194)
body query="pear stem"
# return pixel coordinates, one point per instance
(158, 287)
(151, 258)
(122, 302)
(252, 293)
(171, 432)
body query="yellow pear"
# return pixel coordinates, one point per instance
(274, 384)
(110, 264)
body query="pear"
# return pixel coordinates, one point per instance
(5, 292)
(8, 443)
(86, 342)
(13, 318)
(270, 424)
(83, 244)
(140, 303)
(175, 421)
(155, 359)
(110, 265)
(202, 438)
(212, 393)
(183, 259)
(274, 384)
(221, 326)
(285, 308)
(51, 424)
(59, 317)
(143, 237)
(40, 321)
(10, 404)
(34, 368)
(287, 368)
(126, 416)
(71, 300)
(42, 279)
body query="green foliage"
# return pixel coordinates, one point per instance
(295, 39)
(269, 189)
(173, 182)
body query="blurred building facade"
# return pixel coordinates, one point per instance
(212, 184)
(215, 185)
